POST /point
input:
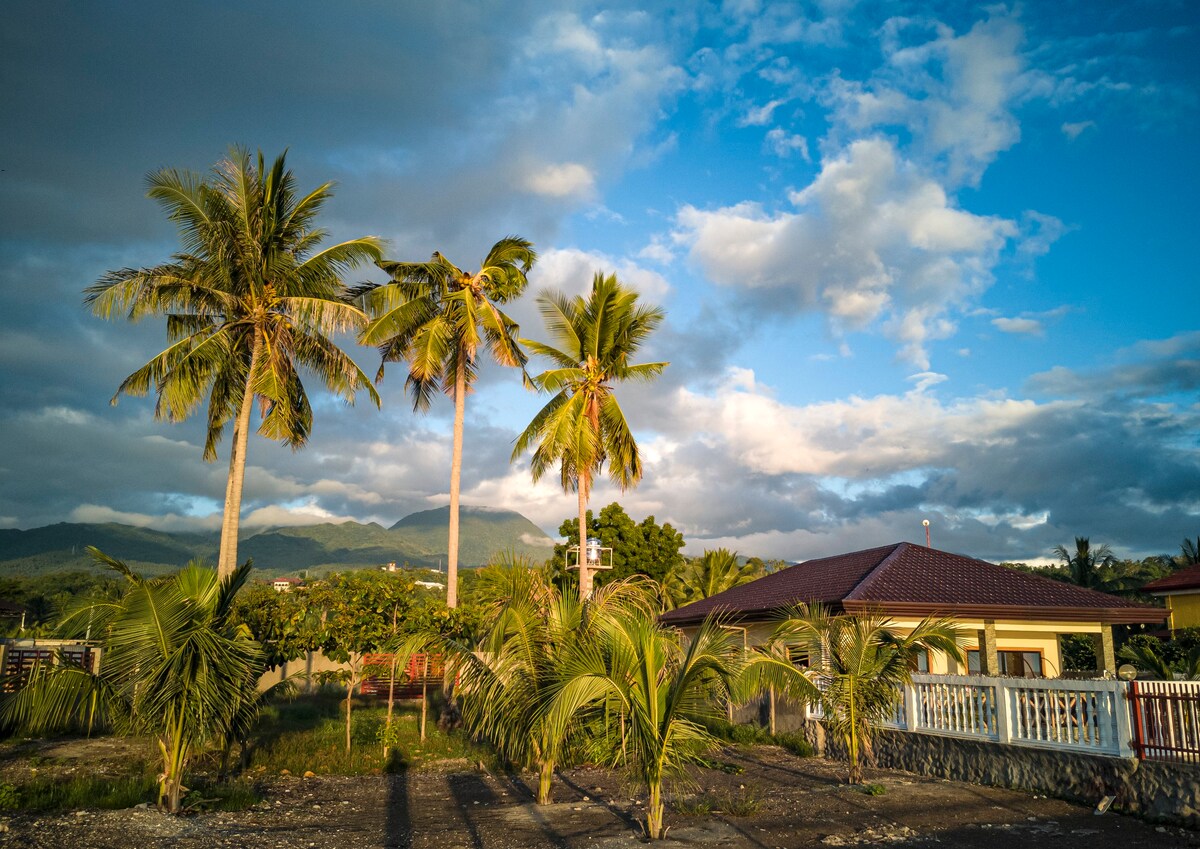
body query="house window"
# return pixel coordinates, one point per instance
(1018, 664)
(919, 661)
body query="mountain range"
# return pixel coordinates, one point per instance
(418, 539)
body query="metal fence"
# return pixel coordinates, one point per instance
(1166, 720)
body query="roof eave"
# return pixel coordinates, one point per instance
(1038, 613)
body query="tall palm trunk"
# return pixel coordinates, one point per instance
(460, 404)
(585, 575)
(231, 520)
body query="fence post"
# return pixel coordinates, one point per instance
(1003, 711)
(1139, 745)
(1122, 703)
(912, 719)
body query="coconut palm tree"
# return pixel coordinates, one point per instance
(251, 297)
(172, 665)
(655, 689)
(1189, 552)
(583, 427)
(855, 668)
(435, 317)
(1091, 568)
(705, 576)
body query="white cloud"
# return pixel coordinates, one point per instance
(953, 92)
(569, 179)
(571, 270)
(855, 438)
(1019, 326)
(784, 144)
(760, 116)
(870, 238)
(1074, 130)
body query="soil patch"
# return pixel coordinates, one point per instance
(752, 799)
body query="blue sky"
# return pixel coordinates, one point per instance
(919, 260)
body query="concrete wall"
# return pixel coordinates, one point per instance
(1152, 789)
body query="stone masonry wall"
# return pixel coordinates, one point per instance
(1153, 789)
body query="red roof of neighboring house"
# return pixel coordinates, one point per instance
(1184, 579)
(907, 579)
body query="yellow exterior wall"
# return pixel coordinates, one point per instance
(1011, 635)
(1185, 610)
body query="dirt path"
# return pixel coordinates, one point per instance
(796, 802)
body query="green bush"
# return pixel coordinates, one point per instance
(796, 743)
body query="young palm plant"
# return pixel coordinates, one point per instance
(532, 631)
(172, 666)
(856, 667)
(435, 317)
(652, 691)
(251, 298)
(583, 426)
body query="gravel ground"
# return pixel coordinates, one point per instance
(797, 802)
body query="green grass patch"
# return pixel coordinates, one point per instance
(739, 803)
(755, 735)
(78, 791)
(309, 734)
(236, 795)
(873, 789)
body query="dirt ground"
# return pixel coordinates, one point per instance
(784, 801)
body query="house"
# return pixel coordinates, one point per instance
(1182, 594)
(283, 585)
(1012, 620)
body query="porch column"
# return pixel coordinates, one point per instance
(1106, 655)
(989, 658)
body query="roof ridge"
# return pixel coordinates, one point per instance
(876, 570)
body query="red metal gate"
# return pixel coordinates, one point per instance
(1166, 720)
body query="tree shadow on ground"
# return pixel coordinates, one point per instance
(398, 827)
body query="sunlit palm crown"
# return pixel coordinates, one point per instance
(583, 426)
(252, 291)
(433, 314)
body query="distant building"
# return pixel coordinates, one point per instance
(283, 585)
(1011, 620)
(1182, 594)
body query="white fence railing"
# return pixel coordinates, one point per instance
(1080, 716)
(1156, 720)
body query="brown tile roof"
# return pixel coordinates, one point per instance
(907, 579)
(1184, 579)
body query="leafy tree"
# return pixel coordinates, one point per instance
(583, 427)
(1189, 553)
(656, 690)
(435, 317)
(357, 614)
(856, 666)
(173, 665)
(639, 548)
(251, 298)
